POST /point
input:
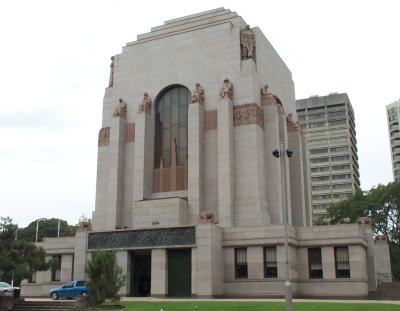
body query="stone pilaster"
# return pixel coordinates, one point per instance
(210, 265)
(328, 263)
(144, 156)
(80, 255)
(296, 177)
(365, 224)
(306, 182)
(272, 116)
(159, 272)
(115, 173)
(283, 137)
(195, 160)
(225, 163)
(124, 262)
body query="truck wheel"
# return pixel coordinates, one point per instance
(84, 294)
(54, 296)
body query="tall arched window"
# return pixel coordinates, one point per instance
(171, 141)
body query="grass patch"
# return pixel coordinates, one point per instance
(251, 306)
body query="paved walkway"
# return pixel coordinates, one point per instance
(152, 299)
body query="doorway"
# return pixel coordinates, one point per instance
(179, 272)
(140, 274)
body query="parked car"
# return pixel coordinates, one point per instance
(8, 290)
(70, 290)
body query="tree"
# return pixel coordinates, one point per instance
(47, 228)
(18, 259)
(105, 276)
(382, 205)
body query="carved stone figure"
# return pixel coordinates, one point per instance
(111, 81)
(198, 94)
(266, 97)
(145, 106)
(104, 136)
(226, 91)
(206, 217)
(120, 110)
(291, 122)
(247, 43)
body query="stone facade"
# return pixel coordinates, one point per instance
(223, 226)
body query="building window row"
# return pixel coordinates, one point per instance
(338, 113)
(315, 264)
(342, 262)
(270, 263)
(337, 122)
(321, 206)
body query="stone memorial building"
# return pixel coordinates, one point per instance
(188, 191)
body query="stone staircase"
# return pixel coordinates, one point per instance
(44, 306)
(386, 291)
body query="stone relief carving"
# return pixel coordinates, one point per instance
(380, 238)
(226, 91)
(210, 119)
(207, 217)
(130, 132)
(248, 114)
(185, 236)
(291, 122)
(120, 110)
(267, 98)
(247, 43)
(145, 106)
(104, 136)
(111, 81)
(198, 94)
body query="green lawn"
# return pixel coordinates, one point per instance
(252, 306)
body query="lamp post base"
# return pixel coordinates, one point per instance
(288, 296)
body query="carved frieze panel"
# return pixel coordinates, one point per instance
(210, 119)
(248, 114)
(130, 132)
(104, 136)
(182, 236)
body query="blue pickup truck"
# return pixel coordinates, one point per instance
(70, 290)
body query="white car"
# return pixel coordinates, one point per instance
(8, 290)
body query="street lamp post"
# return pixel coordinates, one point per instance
(58, 228)
(288, 285)
(37, 228)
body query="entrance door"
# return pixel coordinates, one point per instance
(179, 273)
(140, 273)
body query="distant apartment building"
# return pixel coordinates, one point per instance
(393, 113)
(328, 124)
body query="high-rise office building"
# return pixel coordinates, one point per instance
(328, 124)
(393, 115)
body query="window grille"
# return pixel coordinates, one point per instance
(241, 263)
(270, 262)
(315, 263)
(342, 262)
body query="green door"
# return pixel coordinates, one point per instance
(179, 272)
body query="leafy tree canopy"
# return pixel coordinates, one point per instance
(47, 228)
(382, 205)
(18, 259)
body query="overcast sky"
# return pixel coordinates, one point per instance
(55, 58)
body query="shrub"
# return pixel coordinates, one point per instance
(105, 276)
